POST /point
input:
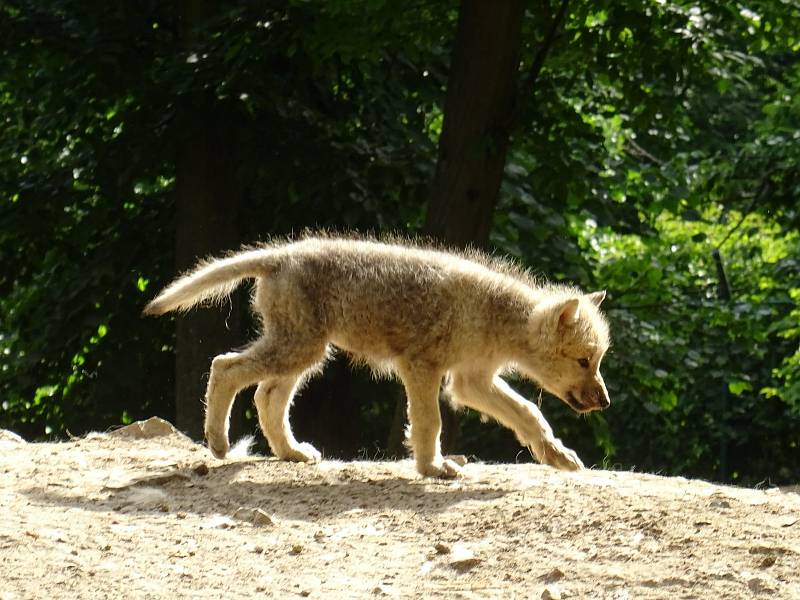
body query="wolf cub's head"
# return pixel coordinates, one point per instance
(571, 338)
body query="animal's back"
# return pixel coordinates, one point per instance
(386, 300)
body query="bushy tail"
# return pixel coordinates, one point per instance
(212, 281)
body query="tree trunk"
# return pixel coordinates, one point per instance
(478, 114)
(208, 199)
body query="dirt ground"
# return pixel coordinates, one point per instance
(138, 514)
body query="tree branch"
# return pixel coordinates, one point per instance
(765, 184)
(514, 119)
(635, 150)
(549, 39)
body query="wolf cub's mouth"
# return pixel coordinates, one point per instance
(576, 405)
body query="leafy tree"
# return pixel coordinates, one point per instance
(637, 140)
(643, 137)
(129, 120)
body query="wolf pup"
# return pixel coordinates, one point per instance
(424, 315)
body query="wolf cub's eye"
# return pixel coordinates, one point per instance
(584, 363)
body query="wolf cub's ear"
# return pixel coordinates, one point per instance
(568, 311)
(596, 297)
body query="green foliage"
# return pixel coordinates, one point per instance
(700, 365)
(631, 172)
(333, 133)
(653, 134)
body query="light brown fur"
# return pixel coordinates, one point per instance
(418, 313)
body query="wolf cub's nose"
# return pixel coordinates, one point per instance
(603, 401)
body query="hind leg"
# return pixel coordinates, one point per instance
(273, 399)
(271, 356)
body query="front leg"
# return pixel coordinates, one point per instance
(493, 397)
(422, 391)
(535, 431)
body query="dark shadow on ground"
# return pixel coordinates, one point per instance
(302, 492)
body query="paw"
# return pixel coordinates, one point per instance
(218, 444)
(444, 468)
(557, 455)
(302, 453)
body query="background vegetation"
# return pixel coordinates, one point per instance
(652, 150)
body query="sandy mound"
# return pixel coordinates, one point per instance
(148, 514)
